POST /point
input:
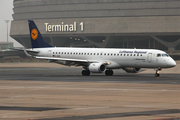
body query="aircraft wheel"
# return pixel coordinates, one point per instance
(109, 72)
(157, 75)
(85, 72)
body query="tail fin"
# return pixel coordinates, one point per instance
(37, 40)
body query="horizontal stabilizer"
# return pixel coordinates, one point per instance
(32, 51)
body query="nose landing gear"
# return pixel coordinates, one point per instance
(157, 72)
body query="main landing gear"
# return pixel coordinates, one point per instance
(85, 72)
(157, 72)
(109, 72)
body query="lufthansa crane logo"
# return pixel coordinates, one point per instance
(34, 34)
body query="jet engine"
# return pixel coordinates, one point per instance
(131, 70)
(96, 67)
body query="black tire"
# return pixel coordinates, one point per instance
(109, 72)
(85, 73)
(157, 75)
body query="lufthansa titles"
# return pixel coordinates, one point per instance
(137, 52)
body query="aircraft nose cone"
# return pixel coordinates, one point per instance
(171, 63)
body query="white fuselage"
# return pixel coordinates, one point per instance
(117, 58)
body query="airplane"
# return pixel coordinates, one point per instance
(98, 60)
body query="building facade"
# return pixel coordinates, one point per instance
(152, 24)
(6, 45)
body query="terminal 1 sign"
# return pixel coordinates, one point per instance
(64, 27)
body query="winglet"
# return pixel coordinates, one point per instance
(37, 40)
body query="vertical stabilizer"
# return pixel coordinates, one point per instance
(37, 40)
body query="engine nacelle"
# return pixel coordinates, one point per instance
(132, 70)
(96, 67)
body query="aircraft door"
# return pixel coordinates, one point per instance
(149, 57)
(49, 53)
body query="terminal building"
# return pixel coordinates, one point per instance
(145, 24)
(6, 45)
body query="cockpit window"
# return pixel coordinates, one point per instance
(165, 55)
(158, 55)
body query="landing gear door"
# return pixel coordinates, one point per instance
(49, 53)
(149, 57)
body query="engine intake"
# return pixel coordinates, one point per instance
(96, 67)
(132, 70)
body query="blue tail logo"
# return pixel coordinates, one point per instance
(37, 40)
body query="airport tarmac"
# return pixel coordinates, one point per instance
(47, 91)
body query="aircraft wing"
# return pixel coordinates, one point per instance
(69, 60)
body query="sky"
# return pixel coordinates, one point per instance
(6, 11)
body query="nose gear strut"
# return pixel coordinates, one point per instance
(157, 72)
